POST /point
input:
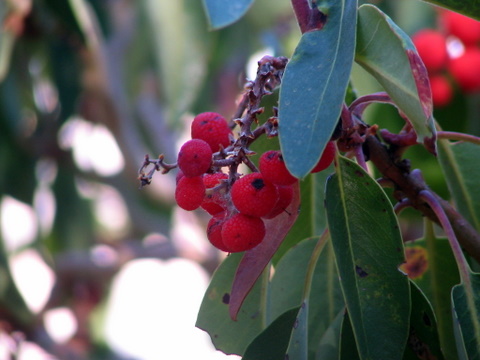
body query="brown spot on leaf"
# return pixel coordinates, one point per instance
(417, 262)
(360, 272)
(226, 298)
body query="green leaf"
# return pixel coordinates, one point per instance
(435, 272)
(461, 165)
(329, 346)
(368, 250)
(232, 337)
(423, 341)
(288, 283)
(348, 349)
(467, 7)
(222, 13)
(314, 85)
(387, 53)
(298, 345)
(272, 343)
(466, 311)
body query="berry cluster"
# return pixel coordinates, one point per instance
(239, 204)
(451, 54)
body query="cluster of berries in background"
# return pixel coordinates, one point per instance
(239, 204)
(451, 54)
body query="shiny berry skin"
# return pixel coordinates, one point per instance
(190, 192)
(466, 70)
(254, 195)
(442, 92)
(212, 128)
(214, 231)
(215, 202)
(273, 168)
(285, 197)
(432, 48)
(461, 26)
(194, 158)
(242, 232)
(326, 159)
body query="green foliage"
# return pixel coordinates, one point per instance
(314, 86)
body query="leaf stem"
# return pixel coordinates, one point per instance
(313, 262)
(432, 201)
(452, 135)
(309, 18)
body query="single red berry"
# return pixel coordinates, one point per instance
(461, 26)
(442, 92)
(432, 48)
(212, 128)
(254, 195)
(466, 70)
(326, 159)
(214, 202)
(190, 192)
(214, 231)
(285, 197)
(242, 232)
(273, 168)
(194, 157)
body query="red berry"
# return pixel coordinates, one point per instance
(190, 192)
(442, 92)
(461, 26)
(215, 202)
(212, 128)
(194, 157)
(326, 159)
(273, 168)
(466, 70)
(285, 197)
(253, 195)
(242, 232)
(432, 48)
(214, 231)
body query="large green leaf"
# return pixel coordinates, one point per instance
(467, 7)
(272, 343)
(232, 337)
(423, 341)
(368, 250)
(314, 85)
(385, 51)
(466, 310)
(431, 265)
(461, 165)
(222, 13)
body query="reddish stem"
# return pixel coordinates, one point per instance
(308, 16)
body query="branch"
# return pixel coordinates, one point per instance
(308, 16)
(410, 185)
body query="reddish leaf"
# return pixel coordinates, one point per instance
(254, 261)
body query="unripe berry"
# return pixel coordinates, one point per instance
(214, 231)
(285, 197)
(326, 159)
(215, 202)
(194, 158)
(253, 195)
(242, 232)
(466, 70)
(463, 27)
(442, 92)
(212, 128)
(432, 48)
(273, 168)
(190, 192)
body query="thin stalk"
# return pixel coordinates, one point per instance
(463, 267)
(313, 262)
(452, 135)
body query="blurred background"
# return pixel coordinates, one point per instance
(92, 266)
